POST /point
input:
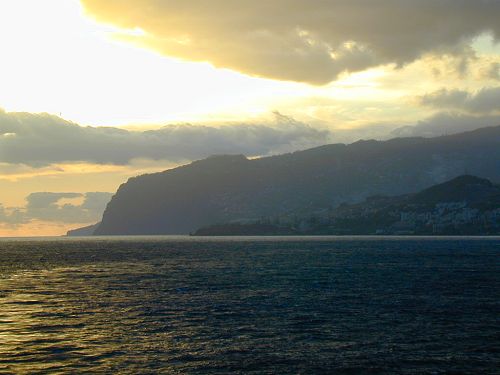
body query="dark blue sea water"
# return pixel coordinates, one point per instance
(237, 306)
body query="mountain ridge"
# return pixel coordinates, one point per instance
(229, 187)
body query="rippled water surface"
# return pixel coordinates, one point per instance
(178, 305)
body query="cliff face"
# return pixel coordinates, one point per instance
(225, 188)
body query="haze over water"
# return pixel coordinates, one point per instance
(220, 306)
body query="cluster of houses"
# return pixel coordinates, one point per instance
(376, 218)
(450, 216)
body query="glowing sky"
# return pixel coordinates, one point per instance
(252, 77)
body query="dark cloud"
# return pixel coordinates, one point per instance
(41, 139)
(302, 40)
(486, 100)
(46, 206)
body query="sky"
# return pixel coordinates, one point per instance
(93, 92)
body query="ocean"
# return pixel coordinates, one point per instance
(181, 305)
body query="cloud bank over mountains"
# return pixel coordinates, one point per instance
(302, 40)
(486, 100)
(42, 139)
(446, 123)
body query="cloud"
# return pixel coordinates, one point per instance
(38, 143)
(486, 100)
(51, 207)
(301, 40)
(4, 216)
(42, 139)
(445, 123)
(493, 71)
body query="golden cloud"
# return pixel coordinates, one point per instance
(300, 40)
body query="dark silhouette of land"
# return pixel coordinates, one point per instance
(85, 231)
(222, 189)
(466, 205)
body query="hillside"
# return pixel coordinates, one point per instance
(221, 189)
(465, 205)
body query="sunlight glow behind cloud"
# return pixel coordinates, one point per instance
(58, 61)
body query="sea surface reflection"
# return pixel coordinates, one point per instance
(177, 305)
